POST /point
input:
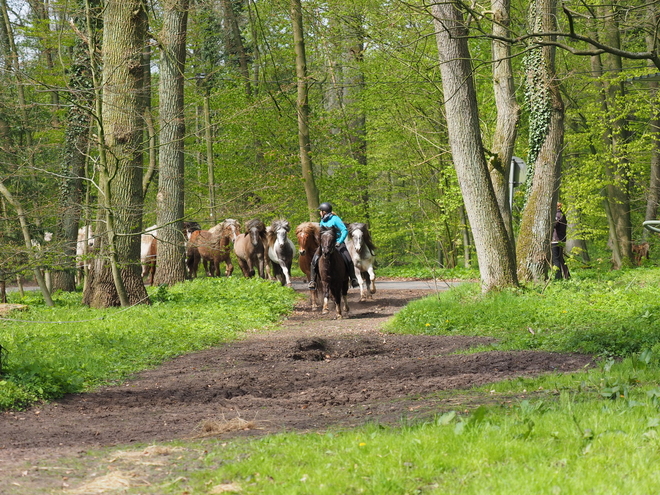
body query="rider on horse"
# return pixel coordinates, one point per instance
(329, 219)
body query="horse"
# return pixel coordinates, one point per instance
(249, 248)
(148, 247)
(307, 234)
(332, 273)
(212, 247)
(362, 251)
(84, 244)
(280, 250)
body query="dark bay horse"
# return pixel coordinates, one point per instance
(332, 272)
(280, 250)
(362, 251)
(307, 234)
(212, 247)
(249, 248)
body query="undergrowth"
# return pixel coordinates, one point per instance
(71, 348)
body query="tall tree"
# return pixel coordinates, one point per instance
(120, 172)
(302, 107)
(76, 145)
(171, 268)
(508, 110)
(494, 251)
(546, 124)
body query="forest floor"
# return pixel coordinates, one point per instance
(311, 374)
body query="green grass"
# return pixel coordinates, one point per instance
(602, 313)
(71, 348)
(554, 434)
(594, 431)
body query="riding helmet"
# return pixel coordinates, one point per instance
(326, 207)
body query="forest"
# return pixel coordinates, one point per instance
(451, 129)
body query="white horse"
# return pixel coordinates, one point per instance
(280, 250)
(362, 252)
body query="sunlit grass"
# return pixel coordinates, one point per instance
(69, 348)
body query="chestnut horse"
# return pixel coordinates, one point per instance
(249, 248)
(280, 250)
(308, 242)
(212, 247)
(362, 251)
(148, 247)
(332, 272)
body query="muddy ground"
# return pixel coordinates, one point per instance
(313, 373)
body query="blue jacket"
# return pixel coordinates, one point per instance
(332, 220)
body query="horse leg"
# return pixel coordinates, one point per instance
(336, 295)
(229, 268)
(314, 297)
(286, 274)
(362, 282)
(245, 268)
(372, 276)
(326, 299)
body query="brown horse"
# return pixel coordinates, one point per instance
(148, 251)
(332, 272)
(212, 247)
(249, 248)
(308, 242)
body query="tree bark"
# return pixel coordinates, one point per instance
(508, 111)
(546, 138)
(494, 251)
(617, 167)
(170, 258)
(653, 195)
(120, 281)
(76, 147)
(302, 106)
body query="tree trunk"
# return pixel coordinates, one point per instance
(494, 251)
(152, 168)
(653, 196)
(546, 137)
(508, 111)
(120, 281)
(170, 258)
(74, 160)
(302, 106)
(617, 168)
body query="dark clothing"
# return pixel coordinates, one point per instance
(558, 241)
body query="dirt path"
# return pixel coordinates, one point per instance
(314, 373)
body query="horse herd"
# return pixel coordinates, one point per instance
(268, 252)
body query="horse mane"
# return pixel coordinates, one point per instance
(323, 230)
(366, 235)
(308, 228)
(279, 224)
(255, 223)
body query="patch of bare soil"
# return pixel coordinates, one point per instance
(313, 373)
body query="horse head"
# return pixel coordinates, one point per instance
(231, 228)
(190, 227)
(256, 230)
(360, 236)
(280, 228)
(307, 234)
(328, 240)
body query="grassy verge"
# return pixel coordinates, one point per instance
(600, 313)
(70, 348)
